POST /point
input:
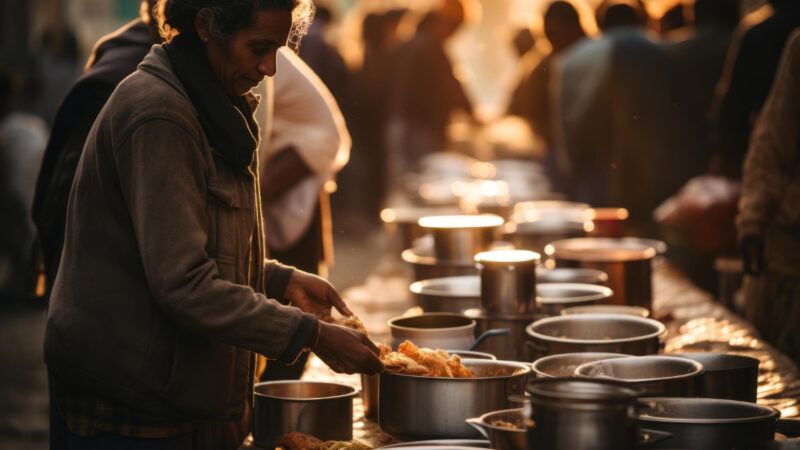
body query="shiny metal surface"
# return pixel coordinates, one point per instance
(510, 347)
(503, 437)
(655, 376)
(449, 444)
(370, 392)
(448, 294)
(404, 220)
(637, 311)
(460, 238)
(426, 266)
(571, 413)
(433, 330)
(705, 423)
(414, 407)
(535, 235)
(571, 275)
(733, 377)
(564, 365)
(471, 354)
(552, 298)
(594, 333)
(324, 410)
(508, 287)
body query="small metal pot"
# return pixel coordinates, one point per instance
(426, 266)
(415, 407)
(571, 413)
(733, 377)
(404, 221)
(662, 376)
(711, 424)
(433, 330)
(552, 298)
(535, 235)
(563, 365)
(503, 437)
(571, 275)
(324, 410)
(449, 294)
(611, 333)
(510, 347)
(637, 311)
(460, 238)
(508, 281)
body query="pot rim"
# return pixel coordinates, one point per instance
(353, 393)
(601, 249)
(571, 310)
(660, 328)
(488, 221)
(548, 358)
(526, 369)
(773, 414)
(413, 256)
(698, 369)
(620, 390)
(593, 292)
(419, 287)
(468, 326)
(581, 272)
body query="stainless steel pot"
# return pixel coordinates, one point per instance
(571, 275)
(733, 377)
(502, 436)
(433, 330)
(414, 407)
(426, 266)
(563, 365)
(552, 298)
(443, 444)
(449, 294)
(460, 238)
(508, 281)
(535, 235)
(509, 347)
(404, 220)
(576, 414)
(594, 333)
(661, 376)
(627, 262)
(370, 391)
(637, 311)
(324, 410)
(709, 424)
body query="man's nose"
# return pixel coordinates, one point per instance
(268, 66)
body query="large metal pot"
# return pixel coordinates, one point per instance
(414, 407)
(552, 298)
(576, 414)
(594, 333)
(508, 281)
(426, 266)
(509, 434)
(449, 294)
(637, 311)
(661, 376)
(733, 377)
(509, 347)
(460, 238)
(433, 330)
(627, 262)
(708, 424)
(324, 410)
(564, 365)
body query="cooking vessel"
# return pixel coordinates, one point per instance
(449, 294)
(471, 354)
(552, 210)
(439, 330)
(606, 222)
(564, 364)
(577, 414)
(404, 220)
(509, 347)
(508, 281)
(460, 238)
(662, 376)
(552, 298)
(611, 333)
(628, 263)
(370, 390)
(637, 311)
(324, 410)
(536, 234)
(415, 407)
(571, 275)
(733, 377)
(501, 436)
(704, 423)
(449, 444)
(426, 266)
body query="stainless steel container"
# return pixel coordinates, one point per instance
(733, 377)
(508, 434)
(571, 275)
(594, 333)
(709, 424)
(448, 294)
(443, 444)
(637, 311)
(370, 391)
(405, 221)
(563, 365)
(627, 262)
(415, 407)
(324, 410)
(426, 266)
(658, 376)
(510, 347)
(552, 298)
(460, 238)
(508, 281)
(554, 210)
(433, 330)
(575, 414)
(535, 235)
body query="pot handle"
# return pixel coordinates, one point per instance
(647, 437)
(789, 427)
(478, 425)
(537, 349)
(488, 334)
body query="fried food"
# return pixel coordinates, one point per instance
(301, 441)
(412, 360)
(351, 322)
(341, 445)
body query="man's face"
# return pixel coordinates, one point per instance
(249, 55)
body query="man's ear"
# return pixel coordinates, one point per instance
(203, 24)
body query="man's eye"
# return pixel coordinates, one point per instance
(261, 49)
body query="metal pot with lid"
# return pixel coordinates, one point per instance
(564, 364)
(658, 375)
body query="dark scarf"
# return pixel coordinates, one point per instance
(227, 121)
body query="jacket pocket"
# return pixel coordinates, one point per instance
(230, 223)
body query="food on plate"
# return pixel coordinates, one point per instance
(298, 441)
(412, 360)
(351, 322)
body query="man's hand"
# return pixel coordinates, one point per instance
(752, 248)
(314, 295)
(347, 351)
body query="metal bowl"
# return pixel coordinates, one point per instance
(324, 410)
(563, 365)
(733, 377)
(611, 333)
(637, 311)
(503, 437)
(663, 376)
(448, 294)
(433, 330)
(552, 298)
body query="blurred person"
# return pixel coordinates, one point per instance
(672, 20)
(164, 294)
(56, 68)
(769, 211)
(523, 41)
(750, 68)
(324, 58)
(113, 58)
(424, 90)
(610, 15)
